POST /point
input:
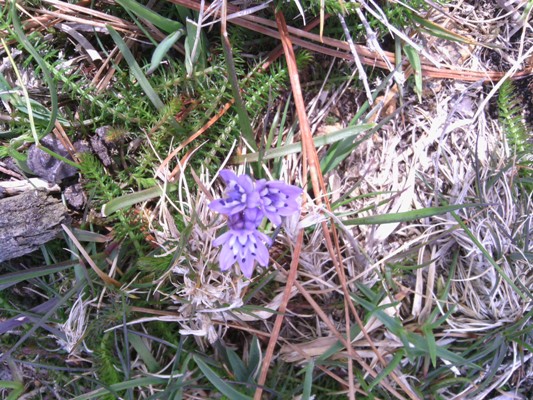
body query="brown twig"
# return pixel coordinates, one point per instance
(310, 163)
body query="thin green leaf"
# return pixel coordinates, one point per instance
(438, 384)
(151, 16)
(136, 69)
(497, 358)
(18, 389)
(134, 198)
(195, 49)
(162, 49)
(254, 359)
(441, 32)
(407, 215)
(414, 60)
(338, 346)
(420, 347)
(44, 319)
(308, 381)
(143, 352)
(237, 366)
(58, 156)
(244, 119)
(338, 152)
(431, 344)
(13, 278)
(218, 383)
(526, 12)
(297, 147)
(398, 357)
(414, 344)
(277, 165)
(88, 236)
(132, 384)
(17, 27)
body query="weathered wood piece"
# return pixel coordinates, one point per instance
(12, 188)
(27, 221)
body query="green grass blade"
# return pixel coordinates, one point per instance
(23, 39)
(414, 60)
(58, 156)
(13, 278)
(308, 381)
(143, 352)
(27, 100)
(134, 198)
(131, 384)
(338, 346)
(337, 153)
(237, 366)
(195, 49)
(441, 32)
(254, 359)
(18, 389)
(415, 345)
(219, 384)
(398, 357)
(162, 49)
(88, 236)
(406, 216)
(431, 344)
(136, 69)
(244, 119)
(151, 16)
(292, 148)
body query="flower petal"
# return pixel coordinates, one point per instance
(228, 175)
(222, 238)
(282, 187)
(247, 265)
(262, 254)
(260, 236)
(246, 183)
(226, 258)
(243, 239)
(274, 217)
(226, 206)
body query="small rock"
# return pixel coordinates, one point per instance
(75, 196)
(47, 167)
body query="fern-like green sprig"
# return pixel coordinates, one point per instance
(511, 118)
(101, 188)
(516, 131)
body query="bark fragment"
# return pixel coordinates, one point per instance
(28, 221)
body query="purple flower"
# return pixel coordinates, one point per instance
(278, 199)
(248, 219)
(247, 203)
(243, 243)
(240, 194)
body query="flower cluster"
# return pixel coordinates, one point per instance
(246, 204)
